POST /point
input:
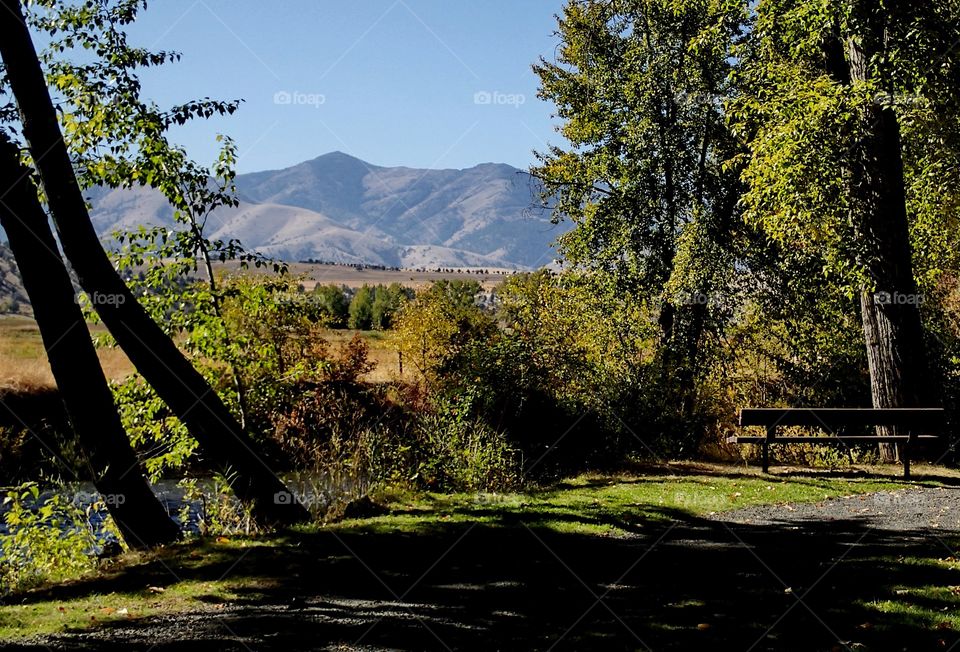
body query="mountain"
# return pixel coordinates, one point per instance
(341, 209)
(13, 297)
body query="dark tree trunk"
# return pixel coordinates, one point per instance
(681, 335)
(87, 398)
(892, 327)
(154, 354)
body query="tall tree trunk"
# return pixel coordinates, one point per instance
(892, 327)
(154, 354)
(116, 472)
(682, 331)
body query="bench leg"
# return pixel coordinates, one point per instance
(766, 449)
(905, 454)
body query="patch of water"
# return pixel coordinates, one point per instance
(316, 492)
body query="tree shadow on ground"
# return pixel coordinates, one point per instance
(677, 583)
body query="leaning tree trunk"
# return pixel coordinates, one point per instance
(892, 327)
(116, 472)
(154, 354)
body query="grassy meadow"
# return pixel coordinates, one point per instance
(23, 362)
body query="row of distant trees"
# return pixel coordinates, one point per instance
(389, 268)
(316, 261)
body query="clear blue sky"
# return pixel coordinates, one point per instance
(422, 83)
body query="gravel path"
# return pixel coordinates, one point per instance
(347, 609)
(923, 508)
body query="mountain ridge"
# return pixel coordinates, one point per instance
(339, 208)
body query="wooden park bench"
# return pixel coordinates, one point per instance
(910, 421)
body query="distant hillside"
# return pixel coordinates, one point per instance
(341, 209)
(13, 298)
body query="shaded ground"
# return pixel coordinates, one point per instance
(763, 578)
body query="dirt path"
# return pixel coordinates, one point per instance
(786, 577)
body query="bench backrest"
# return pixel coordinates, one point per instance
(836, 417)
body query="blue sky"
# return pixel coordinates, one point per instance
(422, 83)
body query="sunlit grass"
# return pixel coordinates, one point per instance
(49, 616)
(932, 607)
(612, 506)
(90, 611)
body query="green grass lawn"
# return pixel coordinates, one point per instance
(95, 608)
(612, 505)
(929, 606)
(204, 575)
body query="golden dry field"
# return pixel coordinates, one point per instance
(23, 364)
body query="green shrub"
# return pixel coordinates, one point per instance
(49, 540)
(460, 452)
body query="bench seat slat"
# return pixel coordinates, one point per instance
(753, 439)
(914, 418)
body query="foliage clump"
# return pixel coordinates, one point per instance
(49, 538)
